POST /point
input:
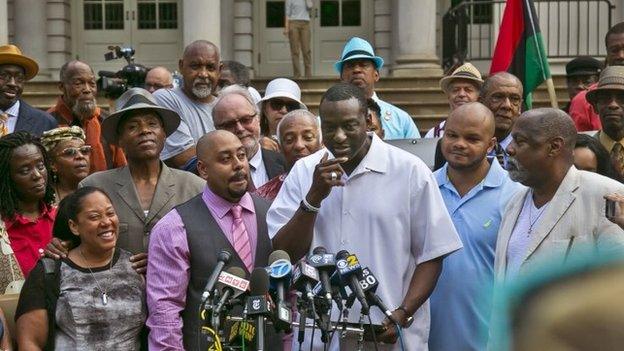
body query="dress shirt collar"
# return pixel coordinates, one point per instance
(13, 111)
(494, 178)
(18, 218)
(375, 97)
(256, 159)
(607, 142)
(221, 206)
(505, 142)
(376, 159)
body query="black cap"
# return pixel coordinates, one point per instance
(584, 65)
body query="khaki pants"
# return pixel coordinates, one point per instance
(299, 37)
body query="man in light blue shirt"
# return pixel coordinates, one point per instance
(475, 190)
(359, 66)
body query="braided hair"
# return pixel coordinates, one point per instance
(8, 192)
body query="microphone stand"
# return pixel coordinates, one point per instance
(260, 333)
(302, 321)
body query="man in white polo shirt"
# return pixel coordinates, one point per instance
(374, 200)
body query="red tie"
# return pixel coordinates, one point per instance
(241, 238)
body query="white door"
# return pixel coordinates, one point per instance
(151, 27)
(333, 23)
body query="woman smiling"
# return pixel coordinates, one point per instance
(93, 299)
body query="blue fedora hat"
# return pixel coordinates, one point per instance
(358, 48)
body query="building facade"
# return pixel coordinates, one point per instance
(408, 34)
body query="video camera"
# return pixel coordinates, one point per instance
(113, 84)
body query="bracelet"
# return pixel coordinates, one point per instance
(404, 309)
(410, 318)
(305, 205)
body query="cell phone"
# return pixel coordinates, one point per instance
(609, 208)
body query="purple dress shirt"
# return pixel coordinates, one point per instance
(168, 267)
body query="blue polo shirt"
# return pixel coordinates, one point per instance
(461, 301)
(396, 123)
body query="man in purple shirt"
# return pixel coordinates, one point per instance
(185, 243)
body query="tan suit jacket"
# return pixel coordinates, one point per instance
(173, 188)
(574, 216)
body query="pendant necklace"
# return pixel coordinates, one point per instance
(97, 283)
(531, 220)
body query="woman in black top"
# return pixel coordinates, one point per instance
(96, 300)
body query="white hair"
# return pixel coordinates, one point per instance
(235, 89)
(296, 113)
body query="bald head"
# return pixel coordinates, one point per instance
(200, 66)
(474, 113)
(549, 123)
(70, 67)
(222, 162)
(297, 117)
(158, 78)
(200, 46)
(500, 78)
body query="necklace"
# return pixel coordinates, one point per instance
(97, 283)
(539, 214)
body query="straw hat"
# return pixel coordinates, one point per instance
(466, 71)
(12, 55)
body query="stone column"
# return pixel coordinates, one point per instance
(4, 22)
(31, 32)
(414, 38)
(201, 20)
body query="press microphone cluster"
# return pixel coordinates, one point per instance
(315, 285)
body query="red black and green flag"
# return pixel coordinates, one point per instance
(520, 47)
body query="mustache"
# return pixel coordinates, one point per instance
(239, 175)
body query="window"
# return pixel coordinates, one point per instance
(275, 11)
(157, 14)
(103, 14)
(346, 13)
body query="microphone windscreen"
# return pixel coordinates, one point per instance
(342, 254)
(259, 282)
(278, 254)
(237, 271)
(224, 255)
(319, 250)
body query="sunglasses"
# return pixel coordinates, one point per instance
(231, 125)
(73, 151)
(277, 104)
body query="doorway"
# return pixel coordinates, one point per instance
(333, 22)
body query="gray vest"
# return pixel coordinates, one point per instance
(205, 240)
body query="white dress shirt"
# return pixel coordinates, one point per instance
(258, 172)
(390, 214)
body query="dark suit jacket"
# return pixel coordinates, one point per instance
(274, 163)
(33, 120)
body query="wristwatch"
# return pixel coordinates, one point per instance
(409, 320)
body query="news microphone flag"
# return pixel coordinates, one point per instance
(520, 50)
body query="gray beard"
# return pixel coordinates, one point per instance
(84, 109)
(202, 93)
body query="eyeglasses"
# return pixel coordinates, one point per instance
(278, 104)
(73, 151)
(231, 125)
(6, 77)
(498, 98)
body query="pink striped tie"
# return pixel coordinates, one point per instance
(241, 238)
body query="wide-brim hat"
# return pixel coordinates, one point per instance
(12, 55)
(612, 78)
(135, 99)
(283, 87)
(357, 49)
(466, 72)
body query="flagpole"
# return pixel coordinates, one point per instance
(551, 93)
(549, 82)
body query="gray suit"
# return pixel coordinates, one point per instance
(173, 188)
(574, 216)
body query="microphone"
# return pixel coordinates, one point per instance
(222, 259)
(304, 276)
(280, 272)
(257, 303)
(350, 272)
(325, 264)
(231, 284)
(369, 285)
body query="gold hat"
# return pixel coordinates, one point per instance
(466, 71)
(12, 55)
(53, 137)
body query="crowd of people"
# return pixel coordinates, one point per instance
(112, 221)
